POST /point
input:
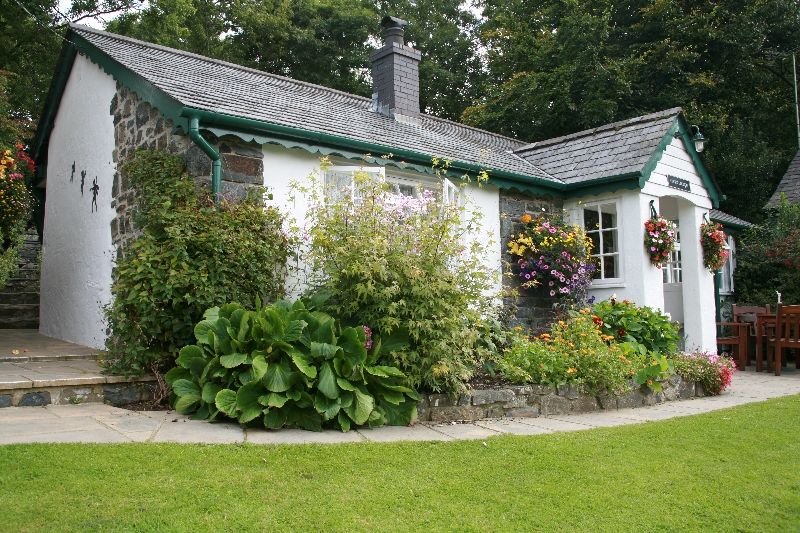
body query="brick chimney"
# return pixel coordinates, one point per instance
(395, 75)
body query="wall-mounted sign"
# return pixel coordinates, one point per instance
(677, 183)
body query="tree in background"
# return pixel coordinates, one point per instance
(561, 67)
(326, 42)
(768, 259)
(29, 47)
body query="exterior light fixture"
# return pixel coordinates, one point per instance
(697, 137)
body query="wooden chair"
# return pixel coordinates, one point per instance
(785, 335)
(738, 340)
(748, 313)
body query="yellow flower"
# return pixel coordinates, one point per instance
(571, 370)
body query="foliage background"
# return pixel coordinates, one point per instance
(768, 260)
(534, 70)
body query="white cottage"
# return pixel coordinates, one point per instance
(238, 127)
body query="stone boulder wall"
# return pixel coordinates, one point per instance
(544, 400)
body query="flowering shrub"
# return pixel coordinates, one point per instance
(15, 200)
(555, 255)
(712, 240)
(660, 235)
(626, 322)
(576, 352)
(398, 262)
(16, 169)
(768, 259)
(712, 370)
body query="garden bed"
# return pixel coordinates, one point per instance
(544, 400)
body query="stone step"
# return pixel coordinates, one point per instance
(64, 382)
(21, 285)
(28, 272)
(28, 358)
(19, 323)
(19, 311)
(26, 297)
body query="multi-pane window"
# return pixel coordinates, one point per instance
(673, 271)
(601, 225)
(338, 183)
(726, 283)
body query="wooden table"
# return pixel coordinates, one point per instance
(762, 322)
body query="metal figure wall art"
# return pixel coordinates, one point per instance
(83, 179)
(72, 176)
(95, 189)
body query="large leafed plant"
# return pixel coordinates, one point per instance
(289, 364)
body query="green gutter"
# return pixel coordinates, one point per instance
(211, 118)
(216, 160)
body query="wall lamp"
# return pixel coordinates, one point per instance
(697, 137)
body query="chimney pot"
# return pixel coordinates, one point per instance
(395, 74)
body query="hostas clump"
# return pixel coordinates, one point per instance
(289, 365)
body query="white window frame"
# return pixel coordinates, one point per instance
(726, 287)
(450, 192)
(352, 170)
(620, 280)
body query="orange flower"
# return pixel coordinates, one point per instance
(526, 218)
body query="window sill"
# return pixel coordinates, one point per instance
(610, 284)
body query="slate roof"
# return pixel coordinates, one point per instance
(609, 150)
(729, 220)
(789, 185)
(212, 85)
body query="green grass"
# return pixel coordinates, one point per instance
(732, 470)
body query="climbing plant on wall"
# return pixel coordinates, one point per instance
(190, 256)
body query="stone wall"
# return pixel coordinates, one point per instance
(532, 308)
(138, 125)
(543, 400)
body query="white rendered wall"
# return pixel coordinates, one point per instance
(699, 309)
(284, 166)
(483, 203)
(676, 161)
(77, 253)
(641, 282)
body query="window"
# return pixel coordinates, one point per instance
(726, 283)
(339, 182)
(673, 271)
(601, 224)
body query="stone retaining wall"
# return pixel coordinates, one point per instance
(113, 393)
(544, 400)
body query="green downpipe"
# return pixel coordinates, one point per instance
(216, 160)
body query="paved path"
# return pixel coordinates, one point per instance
(103, 423)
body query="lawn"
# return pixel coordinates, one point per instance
(732, 470)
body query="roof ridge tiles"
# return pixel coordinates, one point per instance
(650, 117)
(81, 28)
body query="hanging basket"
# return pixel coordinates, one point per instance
(660, 235)
(712, 240)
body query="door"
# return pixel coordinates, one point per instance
(673, 283)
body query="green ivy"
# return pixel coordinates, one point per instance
(289, 364)
(191, 255)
